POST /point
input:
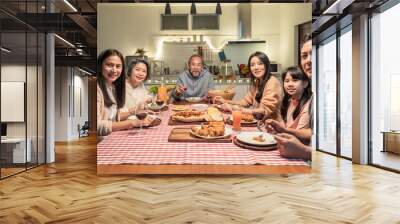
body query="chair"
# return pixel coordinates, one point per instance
(84, 130)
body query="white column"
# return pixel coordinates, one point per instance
(360, 90)
(50, 92)
(50, 99)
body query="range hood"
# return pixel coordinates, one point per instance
(244, 26)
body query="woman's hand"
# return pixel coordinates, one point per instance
(226, 107)
(218, 100)
(274, 126)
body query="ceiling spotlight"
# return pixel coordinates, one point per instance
(218, 9)
(65, 41)
(167, 9)
(70, 5)
(5, 50)
(84, 71)
(193, 8)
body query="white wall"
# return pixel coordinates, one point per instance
(266, 22)
(119, 27)
(34, 125)
(291, 16)
(69, 82)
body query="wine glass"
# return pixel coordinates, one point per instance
(259, 117)
(160, 104)
(209, 99)
(141, 114)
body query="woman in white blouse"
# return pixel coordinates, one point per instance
(136, 93)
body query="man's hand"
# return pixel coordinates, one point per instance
(180, 89)
(291, 147)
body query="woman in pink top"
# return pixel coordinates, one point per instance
(297, 97)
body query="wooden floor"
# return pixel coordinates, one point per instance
(70, 192)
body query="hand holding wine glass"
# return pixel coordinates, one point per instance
(259, 117)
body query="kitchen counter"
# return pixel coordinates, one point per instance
(171, 79)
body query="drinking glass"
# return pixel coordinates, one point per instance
(141, 114)
(259, 117)
(236, 119)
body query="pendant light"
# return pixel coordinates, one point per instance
(193, 9)
(218, 9)
(167, 9)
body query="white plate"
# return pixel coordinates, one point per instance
(180, 107)
(193, 99)
(242, 121)
(155, 106)
(228, 132)
(247, 138)
(200, 107)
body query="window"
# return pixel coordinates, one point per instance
(345, 42)
(385, 88)
(326, 93)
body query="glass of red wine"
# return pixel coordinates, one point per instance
(160, 104)
(209, 99)
(259, 117)
(141, 114)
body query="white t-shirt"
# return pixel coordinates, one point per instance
(134, 96)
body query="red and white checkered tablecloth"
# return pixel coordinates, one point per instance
(152, 148)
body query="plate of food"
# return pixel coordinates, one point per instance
(213, 114)
(245, 119)
(189, 116)
(193, 99)
(156, 106)
(256, 138)
(200, 107)
(211, 130)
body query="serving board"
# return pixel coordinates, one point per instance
(182, 134)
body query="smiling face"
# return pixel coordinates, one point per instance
(138, 73)
(257, 67)
(111, 69)
(195, 66)
(306, 59)
(293, 86)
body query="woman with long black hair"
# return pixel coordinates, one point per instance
(265, 94)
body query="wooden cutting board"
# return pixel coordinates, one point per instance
(182, 134)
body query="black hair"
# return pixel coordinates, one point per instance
(296, 73)
(132, 65)
(119, 84)
(261, 84)
(306, 38)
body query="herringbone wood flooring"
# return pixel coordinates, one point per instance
(70, 192)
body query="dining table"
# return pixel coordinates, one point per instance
(150, 152)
